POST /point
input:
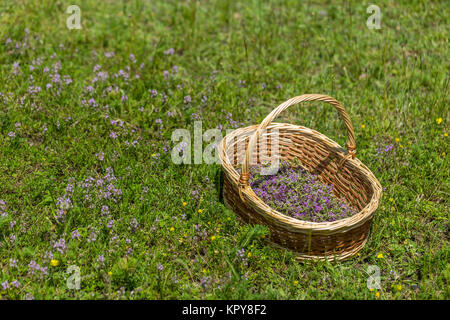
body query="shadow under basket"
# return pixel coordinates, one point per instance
(352, 180)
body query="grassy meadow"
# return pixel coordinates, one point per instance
(87, 183)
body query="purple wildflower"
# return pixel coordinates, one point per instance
(170, 51)
(5, 285)
(13, 263)
(113, 135)
(101, 259)
(100, 156)
(75, 234)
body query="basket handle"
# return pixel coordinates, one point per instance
(351, 143)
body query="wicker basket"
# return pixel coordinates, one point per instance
(337, 240)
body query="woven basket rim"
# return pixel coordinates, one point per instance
(252, 199)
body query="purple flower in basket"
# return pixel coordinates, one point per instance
(295, 192)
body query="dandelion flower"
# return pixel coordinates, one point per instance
(200, 210)
(184, 203)
(439, 120)
(397, 139)
(295, 282)
(109, 273)
(172, 228)
(380, 256)
(399, 287)
(391, 199)
(54, 263)
(377, 294)
(363, 126)
(213, 238)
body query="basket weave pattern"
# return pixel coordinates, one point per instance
(320, 155)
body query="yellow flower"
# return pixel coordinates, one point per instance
(391, 199)
(439, 120)
(295, 282)
(213, 238)
(377, 294)
(184, 203)
(363, 126)
(172, 228)
(397, 139)
(229, 219)
(380, 256)
(153, 155)
(200, 210)
(204, 270)
(54, 263)
(109, 273)
(249, 254)
(445, 134)
(399, 287)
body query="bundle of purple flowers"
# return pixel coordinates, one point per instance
(295, 192)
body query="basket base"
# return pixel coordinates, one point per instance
(304, 257)
(337, 257)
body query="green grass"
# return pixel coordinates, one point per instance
(393, 81)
